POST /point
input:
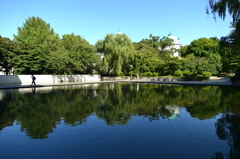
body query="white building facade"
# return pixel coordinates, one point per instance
(176, 45)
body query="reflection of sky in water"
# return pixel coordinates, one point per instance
(162, 131)
(186, 137)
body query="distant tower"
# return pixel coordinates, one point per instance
(176, 44)
(119, 31)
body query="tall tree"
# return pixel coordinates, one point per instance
(201, 55)
(230, 50)
(81, 53)
(221, 7)
(7, 47)
(145, 58)
(73, 55)
(42, 38)
(26, 59)
(117, 49)
(202, 47)
(230, 44)
(164, 62)
(35, 31)
(193, 63)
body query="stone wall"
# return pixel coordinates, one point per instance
(48, 79)
(114, 78)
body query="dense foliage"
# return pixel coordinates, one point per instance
(202, 55)
(117, 49)
(7, 47)
(38, 49)
(230, 44)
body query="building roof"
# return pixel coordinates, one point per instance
(175, 39)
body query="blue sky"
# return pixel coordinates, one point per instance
(93, 19)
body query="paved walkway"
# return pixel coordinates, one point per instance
(214, 81)
(221, 81)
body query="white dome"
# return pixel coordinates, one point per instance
(175, 39)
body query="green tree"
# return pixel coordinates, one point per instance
(202, 47)
(199, 64)
(117, 49)
(58, 62)
(157, 42)
(171, 65)
(153, 57)
(221, 7)
(35, 31)
(7, 47)
(230, 44)
(26, 58)
(42, 38)
(145, 58)
(81, 54)
(230, 50)
(183, 50)
(201, 55)
(73, 55)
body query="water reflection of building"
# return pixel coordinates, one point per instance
(174, 110)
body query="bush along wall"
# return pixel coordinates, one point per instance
(197, 77)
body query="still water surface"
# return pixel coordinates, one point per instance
(120, 120)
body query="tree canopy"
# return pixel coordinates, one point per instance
(40, 50)
(7, 47)
(202, 47)
(222, 7)
(35, 31)
(202, 55)
(230, 44)
(37, 49)
(117, 49)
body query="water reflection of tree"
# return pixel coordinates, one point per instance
(38, 116)
(228, 126)
(115, 103)
(121, 102)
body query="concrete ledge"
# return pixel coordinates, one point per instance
(48, 79)
(115, 78)
(188, 83)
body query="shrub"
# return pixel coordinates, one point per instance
(196, 78)
(178, 73)
(121, 74)
(194, 74)
(131, 73)
(155, 74)
(144, 75)
(207, 74)
(149, 74)
(186, 73)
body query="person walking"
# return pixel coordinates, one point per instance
(33, 79)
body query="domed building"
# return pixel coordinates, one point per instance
(176, 45)
(119, 31)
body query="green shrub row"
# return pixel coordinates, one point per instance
(193, 76)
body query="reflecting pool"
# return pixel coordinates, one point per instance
(120, 120)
